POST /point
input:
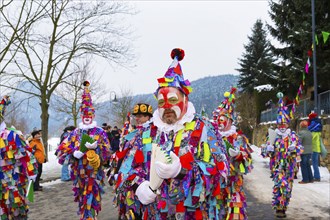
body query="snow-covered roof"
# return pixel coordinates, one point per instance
(261, 88)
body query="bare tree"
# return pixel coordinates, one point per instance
(68, 94)
(246, 107)
(10, 30)
(15, 117)
(124, 105)
(54, 44)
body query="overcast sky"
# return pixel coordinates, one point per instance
(212, 34)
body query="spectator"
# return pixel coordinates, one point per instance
(315, 126)
(305, 137)
(39, 153)
(115, 139)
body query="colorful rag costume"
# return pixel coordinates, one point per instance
(285, 150)
(196, 191)
(17, 164)
(240, 161)
(87, 172)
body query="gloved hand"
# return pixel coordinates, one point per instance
(91, 146)
(233, 153)
(32, 178)
(167, 171)
(270, 148)
(292, 147)
(145, 194)
(78, 154)
(69, 168)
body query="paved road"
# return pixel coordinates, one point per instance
(56, 202)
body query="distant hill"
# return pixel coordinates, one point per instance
(207, 92)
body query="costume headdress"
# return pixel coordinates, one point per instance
(142, 108)
(174, 76)
(86, 107)
(282, 112)
(226, 107)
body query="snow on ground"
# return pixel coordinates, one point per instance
(307, 201)
(52, 169)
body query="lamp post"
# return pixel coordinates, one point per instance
(113, 99)
(314, 58)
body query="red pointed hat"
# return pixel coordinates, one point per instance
(174, 76)
(86, 107)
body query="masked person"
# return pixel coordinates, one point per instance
(285, 150)
(240, 159)
(87, 150)
(175, 167)
(18, 167)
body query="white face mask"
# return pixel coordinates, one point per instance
(282, 130)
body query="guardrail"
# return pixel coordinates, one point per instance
(303, 109)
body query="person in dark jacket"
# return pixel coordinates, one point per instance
(115, 139)
(305, 137)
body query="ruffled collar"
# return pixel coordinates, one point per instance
(86, 127)
(283, 134)
(230, 132)
(162, 126)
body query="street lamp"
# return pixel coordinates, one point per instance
(115, 97)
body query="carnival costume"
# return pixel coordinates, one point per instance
(239, 152)
(17, 167)
(86, 159)
(285, 149)
(199, 168)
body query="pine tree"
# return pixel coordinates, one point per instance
(256, 63)
(293, 30)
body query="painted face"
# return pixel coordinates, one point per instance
(141, 119)
(172, 104)
(224, 123)
(282, 127)
(87, 119)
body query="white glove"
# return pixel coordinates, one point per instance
(270, 148)
(167, 171)
(69, 168)
(145, 194)
(32, 178)
(233, 153)
(292, 147)
(91, 146)
(78, 154)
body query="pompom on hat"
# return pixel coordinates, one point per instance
(174, 76)
(142, 108)
(226, 107)
(86, 107)
(282, 112)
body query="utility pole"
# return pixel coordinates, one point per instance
(314, 59)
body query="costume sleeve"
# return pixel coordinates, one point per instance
(242, 163)
(135, 166)
(66, 148)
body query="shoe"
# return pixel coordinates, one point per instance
(38, 189)
(317, 180)
(302, 182)
(280, 214)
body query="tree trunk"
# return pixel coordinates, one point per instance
(44, 123)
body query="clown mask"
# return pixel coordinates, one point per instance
(282, 127)
(224, 123)
(87, 119)
(172, 104)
